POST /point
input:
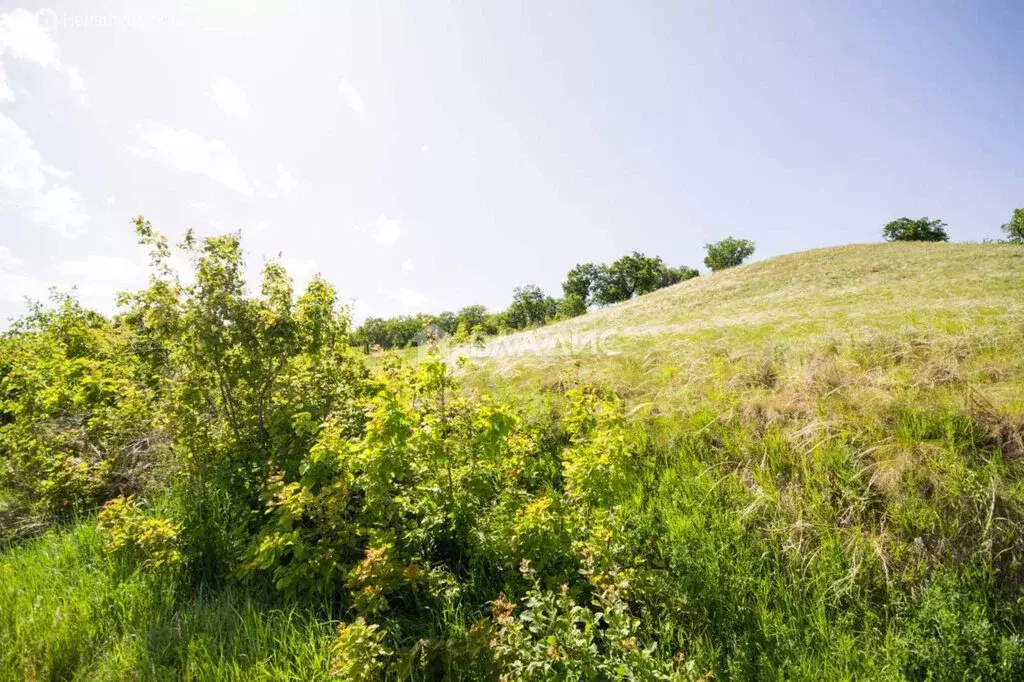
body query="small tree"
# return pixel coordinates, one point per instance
(1015, 228)
(920, 230)
(728, 253)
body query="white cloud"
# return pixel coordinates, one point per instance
(352, 97)
(6, 94)
(408, 265)
(15, 287)
(55, 172)
(360, 310)
(61, 209)
(8, 259)
(23, 37)
(230, 98)
(193, 153)
(300, 270)
(386, 231)
(98, 278)
(75, 79)
(286, 182)
(200, 206)
(260, 227)
(409, 299)
(24, 183)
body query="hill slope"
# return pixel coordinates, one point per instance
(928, 308)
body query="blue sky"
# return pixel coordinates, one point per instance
(429, 155)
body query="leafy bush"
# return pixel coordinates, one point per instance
(728, 253)
(920, 230)
(358, 653)
(77, 418)
(554, 637)
(137, 538)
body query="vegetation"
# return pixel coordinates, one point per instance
(728, 253)
(1015, 228)
(830, 488)
(920, 230)
(586, 285)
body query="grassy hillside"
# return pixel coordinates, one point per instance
(829, 484)
(915, 307)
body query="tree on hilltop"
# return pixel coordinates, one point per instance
(920, 230)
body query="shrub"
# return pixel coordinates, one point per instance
(554, 637)
(77, 405)
(728, 253)
(358, 653)
(139, 539)
(920, 230)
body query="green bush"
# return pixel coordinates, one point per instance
(78, 422)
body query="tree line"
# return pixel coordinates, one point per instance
(594, 285)
(586, 286)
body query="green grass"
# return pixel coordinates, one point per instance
(833, 488)
(66, 612)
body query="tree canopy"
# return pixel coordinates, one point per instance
(920, 230)
(1015, 228)
(728, 253)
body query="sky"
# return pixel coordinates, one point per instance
(424, 156)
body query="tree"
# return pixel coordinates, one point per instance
(571, 306)
(530, 307)
(471, 317)
(446, 322)
(677, 275)
(920, 230)
(728, 253)
(1015, 228)
(581, 281)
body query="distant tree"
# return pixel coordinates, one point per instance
(394, 332)
(530, 307)
(571, 306)
(680, 274)
(647, 274)
(635, 275)
(920, 230)
(581, 281)
(1015, 228)
(728, 253)
(446, 322)
(613, 284)
(472, 316)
